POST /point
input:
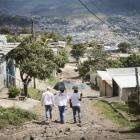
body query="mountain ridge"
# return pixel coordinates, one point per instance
(67, 7)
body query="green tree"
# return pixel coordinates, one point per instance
(97, 64)
(25, 31)
(85, 67)
(124, 47)
(69, 39)
(33, 60)
(98, 60)
(79, 50)
(61, 59)
(13, 38)
(114, 64)
(96, 52)
(131, 61)
(5, 30)
(64, 55)
(53, 36)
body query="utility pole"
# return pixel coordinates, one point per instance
(33, 29)
(34, 39)
(137, 86)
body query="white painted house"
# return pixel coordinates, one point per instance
(119, 82)
(124, 86)
(56, 46)
(7, 69)
(111, 49)
(104, 81)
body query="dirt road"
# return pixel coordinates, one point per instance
(93, 127)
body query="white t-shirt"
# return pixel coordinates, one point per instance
(47, 98)
(61, 99)
(75, 99)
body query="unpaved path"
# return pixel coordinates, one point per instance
(94, 126)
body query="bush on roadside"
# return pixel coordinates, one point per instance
(52, 81)
(13, 92)
(14, 116)
(34, 94)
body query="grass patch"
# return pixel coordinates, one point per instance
(34, 94)
(111, 114)
(52, 81)
(129, 108)
(13, 116)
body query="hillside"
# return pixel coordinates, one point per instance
(14, 20)
(67, 7)
(69, 17)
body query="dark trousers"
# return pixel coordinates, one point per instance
(62, 113)
(48, 111)
(76, 109)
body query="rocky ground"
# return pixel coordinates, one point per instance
(93, 127)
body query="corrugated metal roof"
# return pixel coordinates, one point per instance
(4, 49)
(111, 48)
(124, 77)
(126, 81)
(105, 76)
(122, 71)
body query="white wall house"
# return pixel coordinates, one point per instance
(119, 82)
(56, 46)
(125, 86)
(6, 68)
(104, 81)
(111, 49)
(2, 72)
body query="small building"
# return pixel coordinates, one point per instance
(7, 68)
(62, 44)
(104, 81)
(122, 71)
(115, 56)
(124, 86)
(111, 49)
(119, 82)
(56, 46)
(2, 72)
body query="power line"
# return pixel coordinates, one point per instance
(89, 10)
(101, 21)
(95, 5)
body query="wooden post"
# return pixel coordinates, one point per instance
(137, 86)
(33, 29)
(34, 39)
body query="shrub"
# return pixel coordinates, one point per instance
(34, 94)
(14, 116)
(52, 81)
(13, 92)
